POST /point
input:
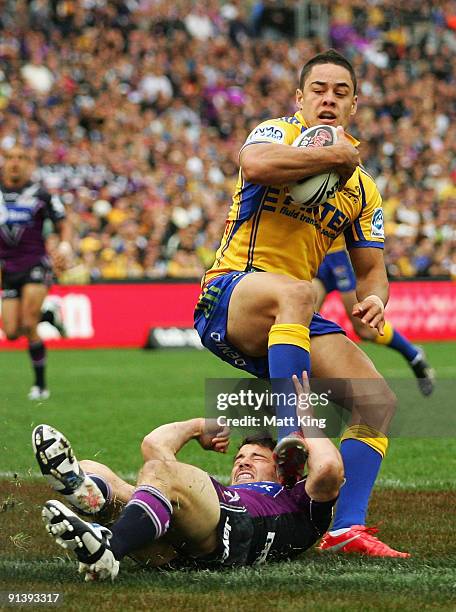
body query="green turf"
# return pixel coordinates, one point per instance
(107, 400)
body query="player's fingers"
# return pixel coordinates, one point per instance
(357, 310)
(373, 317)
(381, 327)
(221, 447)
(224, 432)
(297, 385)
(377, 319)
(340, 132)
(369, 315)
(305, 382)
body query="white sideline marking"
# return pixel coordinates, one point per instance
(129, 476)
(382, 483)
(398, 372)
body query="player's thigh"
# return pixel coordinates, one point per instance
(11, 316)
(354, 381)
(320, 293)
(261, 299)
(33, 295)
(196, 509)
(335, 356)
(363, 331)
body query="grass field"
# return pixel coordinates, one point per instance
(106, 401)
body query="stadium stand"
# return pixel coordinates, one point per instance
(136, 110)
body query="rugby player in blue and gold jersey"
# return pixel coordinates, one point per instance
(256, 309)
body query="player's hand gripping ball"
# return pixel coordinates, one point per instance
(314, 190)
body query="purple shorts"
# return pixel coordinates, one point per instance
(255, 526)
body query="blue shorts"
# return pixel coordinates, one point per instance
(211, 316)
(336, 273)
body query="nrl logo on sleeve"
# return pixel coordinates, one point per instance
(377, 229)
(266, 132)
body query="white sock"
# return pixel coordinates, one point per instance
(338, 532)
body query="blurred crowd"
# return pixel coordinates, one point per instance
(136, 110)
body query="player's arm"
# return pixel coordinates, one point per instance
(372, 288)
(364, 240)
(280, 164)
(167, 440)
(62, 255)
(56, 212)
(324, 464)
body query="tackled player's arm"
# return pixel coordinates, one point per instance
(324, 463)
(166, 441)
(280, 164)
(372, 288)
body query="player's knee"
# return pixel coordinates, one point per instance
(164, 475)
(299, 295)
(149, 448)
(27, 329)
(364, 332)
(12, 334)
(378, 410)
(160, 469)
(390, 402)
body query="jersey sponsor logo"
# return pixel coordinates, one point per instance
(226, 539)
(377, 230)
(227, 350)
(19, 215)
(267, 132)
(267, 547)
(37, 274)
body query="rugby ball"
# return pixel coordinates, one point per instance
(314, 190)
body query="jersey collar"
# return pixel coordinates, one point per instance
(300, 118)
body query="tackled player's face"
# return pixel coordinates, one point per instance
(253, 463)
(17, 166)
(327, 96)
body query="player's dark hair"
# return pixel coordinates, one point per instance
(331, 56)
(261, 439)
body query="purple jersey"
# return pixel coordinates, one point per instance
(22, 214)
(264, 498)
(262, 521)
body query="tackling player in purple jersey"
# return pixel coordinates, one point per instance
(177, 513)
(26, 270)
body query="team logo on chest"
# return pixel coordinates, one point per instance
(17, 212)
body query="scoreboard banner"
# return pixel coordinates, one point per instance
(123, 315)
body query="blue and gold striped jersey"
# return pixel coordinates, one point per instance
(266, 230)
(337, 245)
